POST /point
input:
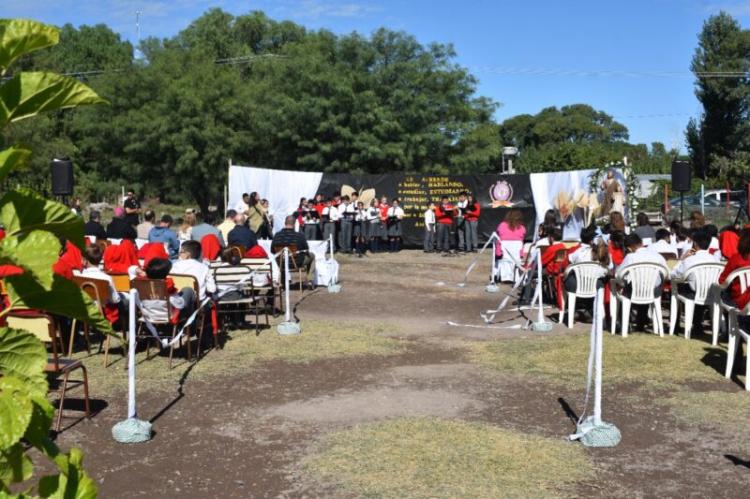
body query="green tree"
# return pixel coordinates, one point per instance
(27, 253)
(723, 47)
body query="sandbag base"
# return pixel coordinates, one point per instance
(492, 288)
(592, 434)
(288, 329)
(132, 431)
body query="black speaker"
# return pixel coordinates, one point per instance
(681, 176)
(62, 177)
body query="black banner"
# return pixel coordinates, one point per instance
(496, 194)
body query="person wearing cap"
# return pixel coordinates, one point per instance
(132, 208)
(163, 234)
(228, 224)
(94, 226)
(118, 228)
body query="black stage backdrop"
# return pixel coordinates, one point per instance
(497, 194)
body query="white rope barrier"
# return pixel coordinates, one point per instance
(474, 262)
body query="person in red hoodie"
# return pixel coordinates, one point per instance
(471, 224)
(444, 214)
(738, 260)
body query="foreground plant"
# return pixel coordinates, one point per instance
(33, 226)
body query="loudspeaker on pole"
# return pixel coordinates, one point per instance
(681, 176)
(62, 177)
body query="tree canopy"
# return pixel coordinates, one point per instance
(277, 95)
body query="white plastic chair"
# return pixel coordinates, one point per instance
(643, 279)
(587, 274)
(705, 275)
(742, 276)
(507, 266)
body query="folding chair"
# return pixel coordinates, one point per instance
(265, 267)
(155, 290)
(248, 298)
(293, 267)
(182, 281)
(43, 327)
(98, 290)
(121, 282)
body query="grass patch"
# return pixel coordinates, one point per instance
(243, 352)
(643, 358)
(715, 408)
(424, 457)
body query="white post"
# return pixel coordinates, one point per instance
(122, 198)
(131, 353)
(539, 284)
(599, 314)
(703, 201)
(287, 315)
(330, 244)
(492, 272)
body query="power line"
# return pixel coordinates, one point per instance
(616, 73)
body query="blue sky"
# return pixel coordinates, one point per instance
(526, 54)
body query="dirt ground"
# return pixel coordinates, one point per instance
(246, 435)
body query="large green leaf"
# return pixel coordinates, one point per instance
(30, 93)
(11, 158)
(23, 356)
(22, 211)
(63, 298)
(72, 482)
(15, 465)
(36, 252)
(15, 410)
(37, 433)
(21, 36)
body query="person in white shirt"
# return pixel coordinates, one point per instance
(429, 228)
(395, 215)
(330, 216)
(244, 204)
(695, 256)
(361, 226)
(637, 253)
(586, 252)
(92, 258)
(375, 230)
(347, 212)
(189, 263)
(661, 243)
(461, 205)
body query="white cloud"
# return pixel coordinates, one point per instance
(318, 9)
(735, 8)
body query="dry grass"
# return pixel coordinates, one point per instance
(642, 358)
(420, 457)
(715, 409)
(245, 351)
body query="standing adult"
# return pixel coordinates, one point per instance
(444, 215)
(256, 213)
(461, 221)
(132, 208)
(471, 224)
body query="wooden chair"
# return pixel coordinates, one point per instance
(293, 267)
(182, 281)
(43, 327)
(121, 282)
(155, 290)
(98, 290)
(249, 297)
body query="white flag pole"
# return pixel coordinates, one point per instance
(287, 328)
(132, 429)
(598, 356)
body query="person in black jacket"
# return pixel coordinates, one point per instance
(288, 236)
(118, 228)
(241, 234)
(94, 226)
